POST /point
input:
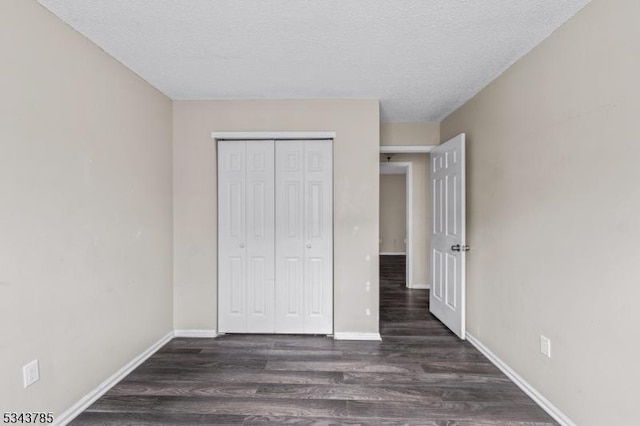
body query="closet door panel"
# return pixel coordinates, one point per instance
(260, 243)
(318, 236)
(289, 303)
(232, 275)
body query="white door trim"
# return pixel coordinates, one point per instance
(272, 135)
(406, 149)
(405, 168)
(275, 136)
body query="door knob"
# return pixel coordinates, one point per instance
(241, 245)
(458, 247)
(308, 245)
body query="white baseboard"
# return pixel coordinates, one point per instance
(356, 336)
(392, 253)
(419, 286)
(537, 397)
(103, 387)
(196, 333)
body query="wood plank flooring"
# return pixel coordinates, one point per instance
(420, 374)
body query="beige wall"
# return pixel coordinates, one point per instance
(410, 133)
(553, 214)
(356, 192)
(85, 223)
(418, 133)
(393, 213)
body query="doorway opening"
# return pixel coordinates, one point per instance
(396, 207)
(445, 230)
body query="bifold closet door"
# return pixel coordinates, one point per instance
(304, 237)
(246, 258)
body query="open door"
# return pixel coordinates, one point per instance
(448, 234)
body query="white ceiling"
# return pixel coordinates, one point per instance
(421, 58)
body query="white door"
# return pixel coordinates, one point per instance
(246, 259)
(261, 270)
(448, 236)
(304, 237)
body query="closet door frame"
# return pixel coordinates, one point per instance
(274, 136)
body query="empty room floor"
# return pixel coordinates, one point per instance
(420, 374)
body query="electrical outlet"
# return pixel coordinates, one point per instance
(545, 346)
(31, 373)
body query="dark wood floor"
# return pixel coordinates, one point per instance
(420, 374)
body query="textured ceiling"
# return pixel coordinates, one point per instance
(421, 58)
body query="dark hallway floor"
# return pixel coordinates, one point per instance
(420, 374)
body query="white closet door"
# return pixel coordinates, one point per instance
(232, 270)
(260, 237)
(289, 237)
(246, 270)
(318, 236)
(304, 230)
